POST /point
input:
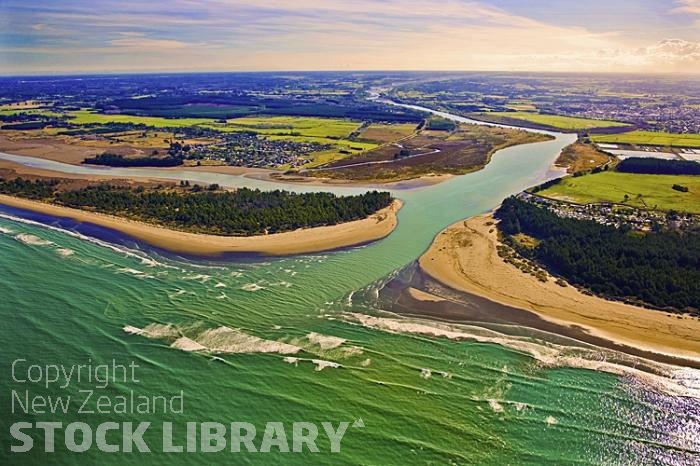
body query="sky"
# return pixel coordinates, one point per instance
(72, 36)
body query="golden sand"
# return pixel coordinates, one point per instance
(464, 257)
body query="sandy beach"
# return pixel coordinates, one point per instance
(464, 257)
(301, 241)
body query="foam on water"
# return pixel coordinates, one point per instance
(220, 340)
(321, 364)
(65, 252)
(325, 341)
(32, 240)
(495, 406)
(188, 345)
(200, 277)
(130, 271)
(252, 287)
(667, 378)
(145, 260)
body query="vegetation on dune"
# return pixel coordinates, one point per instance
(244, 212)
(660, 269)
(579, 157)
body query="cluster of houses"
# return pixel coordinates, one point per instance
(677, 117)
(251, 150)
(617, 215)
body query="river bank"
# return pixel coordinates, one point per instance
(464, 257)
(326, 238)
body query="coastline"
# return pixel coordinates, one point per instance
(464, 257)
(303, 241)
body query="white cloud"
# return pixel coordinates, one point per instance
(674, 51)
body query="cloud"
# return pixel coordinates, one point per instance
(674, 51)
(145, 44)
(313, 34)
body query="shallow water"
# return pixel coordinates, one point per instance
(427, 393)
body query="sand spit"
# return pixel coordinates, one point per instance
(464, 257)
(376, 226)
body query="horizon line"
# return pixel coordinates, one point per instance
(328, 71)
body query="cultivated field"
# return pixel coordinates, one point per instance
(644, 191)
(8, 110)
(87, 117)
(554, 121)
(291, 125)
(650, 138)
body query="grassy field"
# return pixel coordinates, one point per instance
(87, 117)
(650, 138)
(29, 111)
(562, 122)
(329, 128)
(302, 126)
(645, 191)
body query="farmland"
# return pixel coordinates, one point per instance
(295, 126)
(642, 191)
(88, 117)
(564, 123)
(650, 138)
(335, 137)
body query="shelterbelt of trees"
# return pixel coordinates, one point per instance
(660, 269)
(115, 160)
(658, 166)
(244, 212)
